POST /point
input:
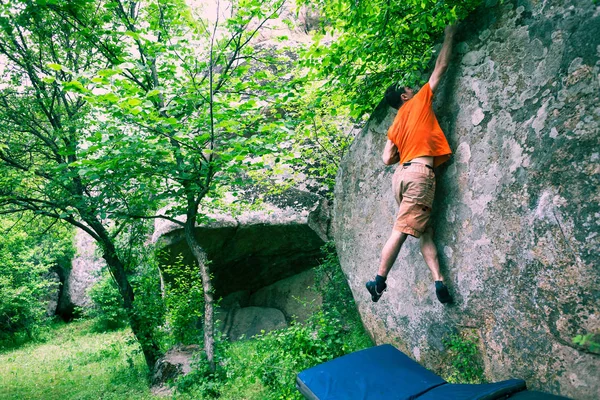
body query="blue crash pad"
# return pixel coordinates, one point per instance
(385, 373)
(377, 373)
(484, 391)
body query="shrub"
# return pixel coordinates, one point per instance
(184, 301)
(107, 309)
(21, 311)
(282, 354)
(26, 256)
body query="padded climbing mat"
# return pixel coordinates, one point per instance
(484, 391)
(376, 373)
(385, 373)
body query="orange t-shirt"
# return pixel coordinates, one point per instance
(416, 131)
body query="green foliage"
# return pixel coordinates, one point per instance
(149, 305)
(27, 252)
(463, 358)
(589, 342)
(184, 301)
(363, 47)
(282, 354)
(332, 284)
(270, 360)
(322, 133)
(107, 309)
(203, 381)
(265, 366)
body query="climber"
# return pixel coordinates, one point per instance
(416, 140)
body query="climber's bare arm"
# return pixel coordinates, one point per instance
(441, 64)
(390, 153)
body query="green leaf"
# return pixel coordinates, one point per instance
(75, 86)
(107, 73)
(54, 66)
(134, 102)
(153, 93)
(131, 34)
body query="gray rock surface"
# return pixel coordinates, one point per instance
(84, 273)
(294, 296)
(291, 297)
(176, 362)
(250, 321)
(517, 211)
(256, 248)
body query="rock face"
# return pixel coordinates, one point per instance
(269, 308)
(84, 272)
(256, 248)
(250, 321)
(294, 296)
(517, 207)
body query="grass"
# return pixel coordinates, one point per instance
(75, 363)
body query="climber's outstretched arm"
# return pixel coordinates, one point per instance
(390, 153)
(443, 59)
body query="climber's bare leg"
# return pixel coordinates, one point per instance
(430, 254)
(390, 252)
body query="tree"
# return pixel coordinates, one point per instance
(197, 91)
(134, 105)
(45, 135)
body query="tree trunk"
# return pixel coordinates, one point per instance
(200, 256)
(139, 327)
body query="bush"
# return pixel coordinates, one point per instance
(107, 309)
(21, 311)
(282, 354)
(25, 259)
(184, 301)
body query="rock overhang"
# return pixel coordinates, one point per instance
(257, 247)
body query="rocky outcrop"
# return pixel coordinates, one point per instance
(294, 296)
(84, 272)
(516, 211)
(175, 363)
(256, 248)
(250, 321)
(272, 307)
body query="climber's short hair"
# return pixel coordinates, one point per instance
(393, 93)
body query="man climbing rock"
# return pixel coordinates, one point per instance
(416, 140)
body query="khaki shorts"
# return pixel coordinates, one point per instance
(414, 188)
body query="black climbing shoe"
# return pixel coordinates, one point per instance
(372, 288)
(441, 291)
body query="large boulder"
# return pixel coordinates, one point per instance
(294, 296)
(272, 307)
(517, 207)
(175, 363)
(85, 271)
(250, 321)
(255, 248)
